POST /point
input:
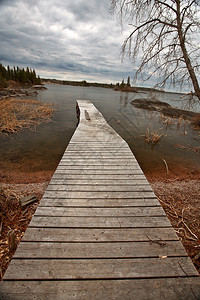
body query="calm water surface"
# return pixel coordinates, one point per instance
(42, 149)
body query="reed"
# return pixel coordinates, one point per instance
(153, 137)
(166, 120)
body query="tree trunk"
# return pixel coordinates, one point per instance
(185, 53)
(191, 71)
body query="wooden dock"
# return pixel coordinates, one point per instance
(99, 231)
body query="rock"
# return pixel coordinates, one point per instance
(150, 104)
(39, 87)
(163, 107)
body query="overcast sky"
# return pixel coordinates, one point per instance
(63, 39)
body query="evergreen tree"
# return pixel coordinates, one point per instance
(8, 77)
(24, 76)
(3, 83)
(122, 84)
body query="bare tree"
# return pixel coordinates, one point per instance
(164, 37)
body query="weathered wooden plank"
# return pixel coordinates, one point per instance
(100, 146)
(84, 135)
(98, 194)
(96, 162)
(99, 250)
(100, 222)
(98, 166)
(117, 147)
(27, 200)
(91, 181)
(100, 212)
(99, 159)
(99, 162)
(96, 147)
(102, 156)
(99, 188)
(95, 137)
(100, 268)
(99, 235)
(152, 289)
(97, 151)
(99, 202)
(100, 177)
(101, 172)
(119, 143)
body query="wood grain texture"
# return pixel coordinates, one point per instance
(98, 194)
(93, 171)
(100, 222)
(99, 202)
(99, 188)
(100, 268)
(91, 181)
(99, 250)
(184, 288)
(100, 212)
(99, 177)
(100, 235)
(98, 166)
(130, 162)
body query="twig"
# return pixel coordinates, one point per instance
(194, 235)
(166, 165)
(1, 226)
(172, 208)
(182, 221)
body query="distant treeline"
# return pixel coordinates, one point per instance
(118, 87)
(23, 76)
(123, 87)
(78, 83)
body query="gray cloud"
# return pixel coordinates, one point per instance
(70, 39)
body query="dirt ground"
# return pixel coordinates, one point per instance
(180, 198)
(178, 194)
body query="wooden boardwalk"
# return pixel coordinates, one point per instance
(99, 231)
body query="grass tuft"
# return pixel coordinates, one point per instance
(17, 114)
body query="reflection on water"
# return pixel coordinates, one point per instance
(43, 148)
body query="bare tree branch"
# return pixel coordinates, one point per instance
(163, 39)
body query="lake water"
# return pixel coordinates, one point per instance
(42, 149)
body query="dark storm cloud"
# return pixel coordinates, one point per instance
(77, 37)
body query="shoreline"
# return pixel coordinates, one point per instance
(178, 193)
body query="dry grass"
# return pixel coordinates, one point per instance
(23, 113)
(181, 202)
(196, 122)
(195, 149)
(166, 120)
(13, 219)
(153, 137)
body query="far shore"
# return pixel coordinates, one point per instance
(131, 89)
